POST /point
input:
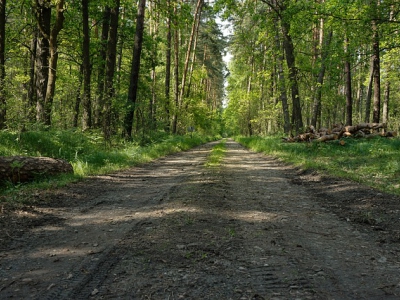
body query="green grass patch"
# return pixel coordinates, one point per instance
(217, 154)
(373, 161)
(88, 153)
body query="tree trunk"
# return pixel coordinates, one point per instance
(30, 89)
(317, 107)
(281, 81)
(52, 76)
(120, 51)
(22, 168)
(196, 21)
(111, 60)
(369, 96)
(86, 101)
(193, 59)
(297, 121)
(385, 109)
(249, 86)
(3, 100)
(43, 16)
(154, 61)
(377, 74)
(176, 73)
(360, 94)
(134, 81)
(153, 99)
(349, 99)
(265, 124)
(78, 98)
(168, 68)
(98, 105)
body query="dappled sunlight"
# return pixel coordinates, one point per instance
(252, 216)
(47, 228)
(343, 187)
(255, 167)
(56, 253)
(161, 213)
(87, 243)
(100, 218)
(174, 212)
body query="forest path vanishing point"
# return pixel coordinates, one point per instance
(251, 228)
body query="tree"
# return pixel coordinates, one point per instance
(135, 68)
(168, 66)
(110, 68)
(43, 17)
(54, 53)
(280, 7)
(297, 120)
(30, 85)
(369, 94)
(102, 66)
(376, 62)
(65, 72)
(194, 31)
(86, 101)
(311, 33)
(349, 97)
(385, 109)
(324, 43)
(3, 100)
(176, 72)
(47, 54)
(281, 80)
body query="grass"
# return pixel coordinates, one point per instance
(373, 161)
(216, 156)
(88, 153)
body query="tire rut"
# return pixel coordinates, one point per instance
(70, 257)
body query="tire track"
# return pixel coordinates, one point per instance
(71, 258)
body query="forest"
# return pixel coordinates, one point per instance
(319, 63)
(119, 67)
(130, 68)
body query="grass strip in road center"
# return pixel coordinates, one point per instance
(216, 156)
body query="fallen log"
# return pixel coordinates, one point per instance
(370, 126)
(338, 131)
(24, 168)
(329, 137)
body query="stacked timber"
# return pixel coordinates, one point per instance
(339, 130)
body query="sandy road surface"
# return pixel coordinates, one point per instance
(175, 229)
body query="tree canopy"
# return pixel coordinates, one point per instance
(131, 68)
(320, 62)
(67, 63)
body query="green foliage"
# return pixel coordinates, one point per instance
(370, 161)
(216, 155)
(153, 111)
(256, 45)
(89, 154)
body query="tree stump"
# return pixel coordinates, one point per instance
(24, 168)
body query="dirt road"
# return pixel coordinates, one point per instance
(251, 228)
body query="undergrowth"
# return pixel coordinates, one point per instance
(372, 161)
(88, 153)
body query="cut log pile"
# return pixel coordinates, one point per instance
(339, 130)
(23, 168)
